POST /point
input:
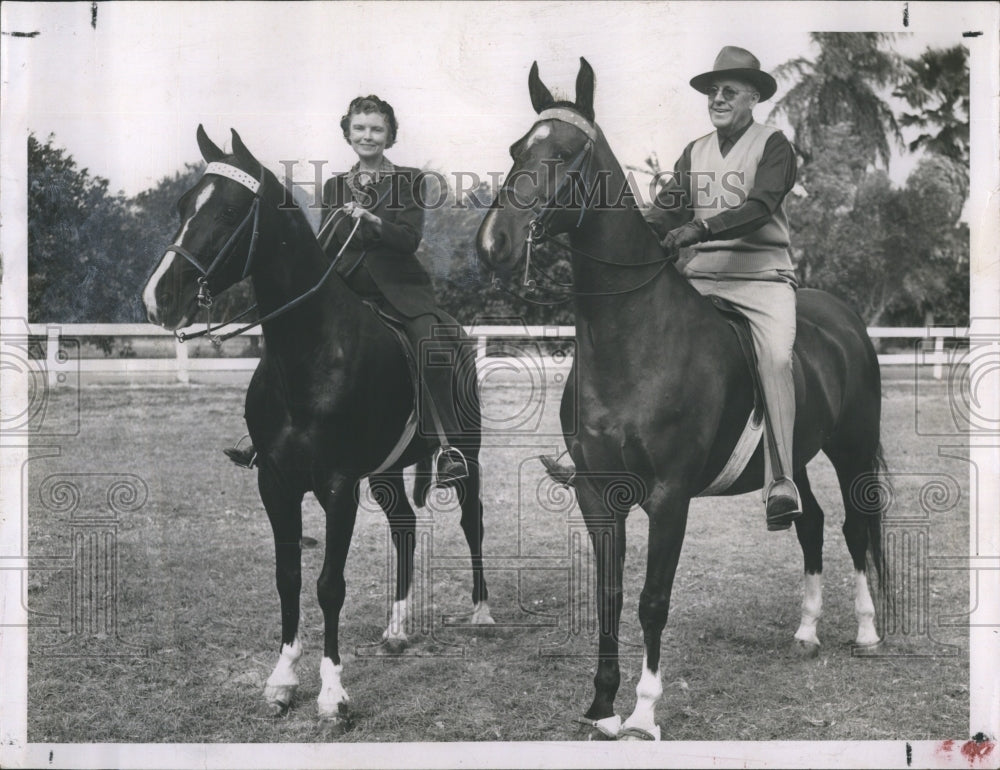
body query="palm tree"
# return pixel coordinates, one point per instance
(841, 86)
(937, 86)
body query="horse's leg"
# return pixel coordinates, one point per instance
(606, 528)
(284, 510)
(472, 525)
(667, 522)
(340, 502)
(862, 531)
(390, 493)
(809, 529)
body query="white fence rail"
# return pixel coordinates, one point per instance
(58, 364)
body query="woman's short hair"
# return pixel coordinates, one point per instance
(363, 105)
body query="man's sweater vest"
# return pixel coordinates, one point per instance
(720, 183)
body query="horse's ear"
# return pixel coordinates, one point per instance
(209, 150)
(541, 97)
(585, 90)
(239, 149)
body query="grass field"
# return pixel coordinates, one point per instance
(196, 611)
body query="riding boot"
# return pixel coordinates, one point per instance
(245, 458)
(437, 356)
(561, 473)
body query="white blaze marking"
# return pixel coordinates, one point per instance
(332, 692)
(648, 693)
(812, 609)
(149, 293)
(864, 610)
(541, 132)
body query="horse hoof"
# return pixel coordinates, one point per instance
(638, 734)
(863, 650)
(336, 721)
(279, 698)
(395, 645)
(806, 650)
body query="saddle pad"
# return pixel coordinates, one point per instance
(741, 455)
(410, 429)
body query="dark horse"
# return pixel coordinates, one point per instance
(663, 391)
(327, 403)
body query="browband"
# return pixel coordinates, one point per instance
(568, 116)
(237, 175)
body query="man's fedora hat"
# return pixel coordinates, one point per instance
(738, 63)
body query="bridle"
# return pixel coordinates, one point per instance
(205, 299)
(253, 215)
(537, 227)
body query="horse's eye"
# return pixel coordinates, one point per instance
(229, 212)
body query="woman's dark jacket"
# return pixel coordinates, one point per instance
(390, 256)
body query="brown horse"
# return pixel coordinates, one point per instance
(326, 405)
(662, 390)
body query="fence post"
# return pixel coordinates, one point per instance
(938, 356)
(52, 354)
(183, 374)
(481, 341)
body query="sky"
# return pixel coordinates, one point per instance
(125, 95)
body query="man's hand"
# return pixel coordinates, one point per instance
(685, 235)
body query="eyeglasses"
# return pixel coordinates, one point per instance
(727, 93)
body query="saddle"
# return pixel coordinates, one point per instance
(409, 430)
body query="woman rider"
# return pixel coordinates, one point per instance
(380, 265)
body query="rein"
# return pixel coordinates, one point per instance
(537, 232)
(205, 296)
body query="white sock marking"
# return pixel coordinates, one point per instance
(397, 619)
(332, 692)
(864, 610)
(648, 693)
(284, 671)
(481, 615)
(812, 608)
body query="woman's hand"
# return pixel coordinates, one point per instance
(360, 212)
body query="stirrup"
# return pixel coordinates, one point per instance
(455, 456)
(781, 509)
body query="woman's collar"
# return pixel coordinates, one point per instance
(374, 177)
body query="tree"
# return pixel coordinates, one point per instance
(841, 86)
(461, 285)
(81, 243)
(937, 87)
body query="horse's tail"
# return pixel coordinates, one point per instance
(422, 481)
(876, 566)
